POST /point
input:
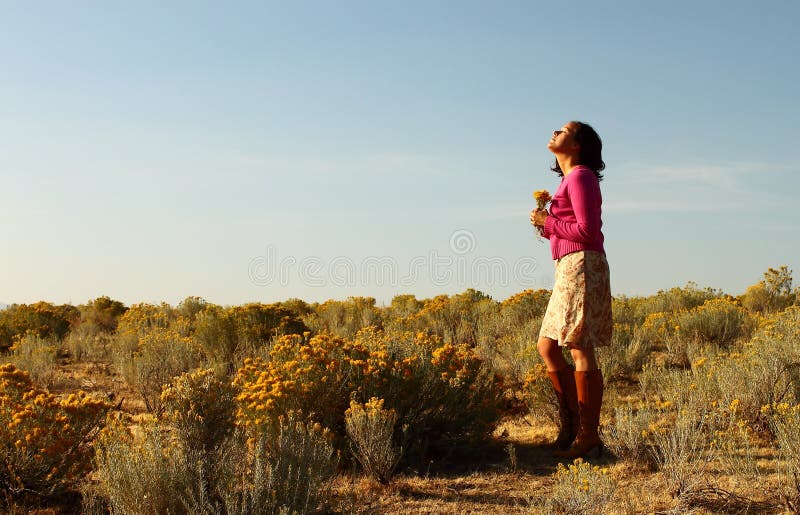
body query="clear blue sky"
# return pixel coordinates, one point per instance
(256, 151)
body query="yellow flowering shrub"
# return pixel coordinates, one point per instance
(538, 394)
(672, 300)
(343, 318)
(785, 423)
(657, 327)
(41, 318)
(284, 470)
(159, 355)
(35, 355)
(439, 391)
(455, 318)
(579, 488)
(201, 408)
(628, 431)
(43, 438)
(140, 319)
(315, 376)
(370, 428)
(522, 307)
(141, 472)
(721, 321)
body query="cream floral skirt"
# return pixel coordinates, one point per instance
(579, 311)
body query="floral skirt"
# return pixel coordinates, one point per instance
(579, 311)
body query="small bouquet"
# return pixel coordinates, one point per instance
(542, 198)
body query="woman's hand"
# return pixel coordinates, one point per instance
(538, 217)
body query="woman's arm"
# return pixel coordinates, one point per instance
(584, 195)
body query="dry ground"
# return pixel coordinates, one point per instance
(491, 483)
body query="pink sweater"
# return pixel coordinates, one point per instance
(574, 222)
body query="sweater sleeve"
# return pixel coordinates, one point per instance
(545, 232)
(584, 196)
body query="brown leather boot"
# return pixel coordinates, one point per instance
(569, 420)
(589, 386)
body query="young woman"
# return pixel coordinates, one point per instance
(578, 315)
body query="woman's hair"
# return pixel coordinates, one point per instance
(591, 150)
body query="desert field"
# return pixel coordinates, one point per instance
(437, 405)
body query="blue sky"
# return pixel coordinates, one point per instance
(257, 151)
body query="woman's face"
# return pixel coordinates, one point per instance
(563, 140)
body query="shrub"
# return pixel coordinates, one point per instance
(454, 318)
(718, 321)
(145, 475)
(102, 314)
(627, 435)
(42, 318)
(216, 333)
(201, 409)
(785, 423)
(142, 318)
(371, 428)
(343, 318)
(37, 356)
(157, 357)
(678, 451)
(259, 324)
(287, 470)
(86, 342)
(538, 394)
(43, 439)
(525, 306)
(672, 300)
(580, 488)
(440, 392)
(314, 376)
(772, 293)
(626, 355)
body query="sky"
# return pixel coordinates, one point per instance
(260, 151)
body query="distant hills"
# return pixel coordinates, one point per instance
(3, 306)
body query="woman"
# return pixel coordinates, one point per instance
(578, 315)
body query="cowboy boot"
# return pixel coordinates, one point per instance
(564, 385)
(589, 386)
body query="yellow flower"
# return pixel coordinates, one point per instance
(542, 198)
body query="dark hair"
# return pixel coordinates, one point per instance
(591, 150)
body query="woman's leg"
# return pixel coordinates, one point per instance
(589, 387)
(584, 358)
(562, 378)
(551, 354)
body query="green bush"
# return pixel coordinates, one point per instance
(282, 471)
(142, 475)
(201, 409)
(579, 488)
(152, 360)
(37, 356)
(370, 428)
(43, 319)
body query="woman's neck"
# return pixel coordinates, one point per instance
(567, 163)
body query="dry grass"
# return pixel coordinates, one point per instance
(736, 468)
(486, 481)
(483, 483)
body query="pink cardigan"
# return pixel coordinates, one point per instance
(574, 222)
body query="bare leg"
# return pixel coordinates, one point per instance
(584, 359)
(551, 353)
